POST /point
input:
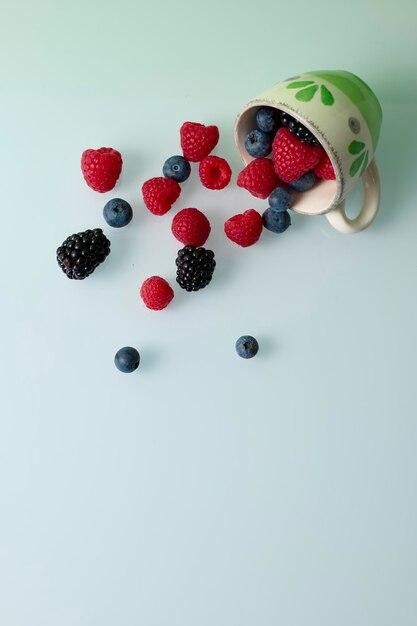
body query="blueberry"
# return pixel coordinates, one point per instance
(276, 221)
(266, 119)
(280, 199)
(247, 346)
(127, 359)
(177, 168)
(258, 143)
(117, 213)
(304, 183)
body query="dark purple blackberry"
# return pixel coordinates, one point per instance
(298, 130)
(195, 267)
(80, 254)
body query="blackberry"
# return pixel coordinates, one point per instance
(81, 253)
(298, 130)
(195, 267)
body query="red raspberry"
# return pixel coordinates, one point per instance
(215, 172)
(101, 168)
(324, 169)
(292, 158)
(156, 293)
(244, 228)
(159, 194)
(197, 140)
(191, 227)
(259, 178)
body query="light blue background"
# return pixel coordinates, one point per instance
(203, 489)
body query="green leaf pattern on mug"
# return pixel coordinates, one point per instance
(307, 89)
(327, 97)
(300, 83)
(306, 94)
(358, 148)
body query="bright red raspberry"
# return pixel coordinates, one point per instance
(244, 228)
(197, 140)
(101, 168)
(215, 172)
(292, 158)
(156, 293)
(324, 169)
(159, 194)
(259, 178)
(191, 227)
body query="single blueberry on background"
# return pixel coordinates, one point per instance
(266, 119)
(127, 359)
(117, 213)
(247, 346)
(258, 143)
(304, 183)
(276, 221)
(177, 168)
(280, 199)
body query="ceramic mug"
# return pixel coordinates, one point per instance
(345, 116)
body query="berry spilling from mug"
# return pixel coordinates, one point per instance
(297, 156)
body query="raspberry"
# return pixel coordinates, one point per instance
(156, 293)
(324, 169)
(197, 140)
(191, 227)
(215, 172)
(159, 194)
(292, 158)
(259, 178)
(244, 228)
(101, 168)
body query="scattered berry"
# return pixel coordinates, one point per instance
(247, 346)
(244, 228)
(156, 293)
(101, 168)
(258, 143)
(280, 199)
(197, 140)
(276, 221)
(159, 194)
(191, 227)
(259, 178)
(324, 169)
(195, 267)
(177, 168)
(127, 359)
(215, 172)
(80, 254)
(305, 182)
(266, 119)
(117, 213)
(291, 157)
(298, 130)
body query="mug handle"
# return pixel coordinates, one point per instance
(371, 196)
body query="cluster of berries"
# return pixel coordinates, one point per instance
(195, 264)
(297, 161)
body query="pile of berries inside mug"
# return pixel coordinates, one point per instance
(343, 116)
